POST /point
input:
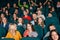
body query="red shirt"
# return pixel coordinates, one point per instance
(27, 17)
(26, 33)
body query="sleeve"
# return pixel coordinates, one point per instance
(8, 35)
(25, 33)
(20, 36)
(19, 4)
(35, 34)
(29, 18)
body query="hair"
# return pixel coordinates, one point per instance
(15, 14)
(51, 25)
(0, 20)
(3, 14)
(11, 25)
(25, 10)
(42, 23)
(51, 35)
(31, 26)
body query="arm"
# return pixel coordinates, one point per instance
(25, 33)
(45, 2)
(19, 3)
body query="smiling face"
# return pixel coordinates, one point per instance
(12, 28)
(40, 20)
(16, 11)
(14, 15)
(48, 3)
(20, 20)
(4, 20)
(8, 5)
(29, 27)
(52, 27)
(2, 15)
(49, 15)
(14, 5)
(53, 9)
(39, 12)
(25, 12)
(34, 16)
(54, 35)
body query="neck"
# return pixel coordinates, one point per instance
(5, 22)
(15, 18)
(19, 23)
(26, 15)
(55, 39)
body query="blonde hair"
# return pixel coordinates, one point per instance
(12, 26)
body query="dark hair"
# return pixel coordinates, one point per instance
(7, 10)
(51, 35)
(0, 20)
(51, 25)
(31, 26)
(25, 10)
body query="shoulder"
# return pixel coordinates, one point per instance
(17, 32)
(8, 33)
(26, 30)
(34, 32)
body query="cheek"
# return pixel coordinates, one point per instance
(20, 20)
(53, 37)
(11, 31)
(40, 21)
(28, 28)
(56, 36)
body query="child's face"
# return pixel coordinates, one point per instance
(54, 36)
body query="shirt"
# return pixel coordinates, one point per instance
(17, 36)
(30, 34)
(27, 17)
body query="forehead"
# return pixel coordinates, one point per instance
(40, 18)
(4, 18)
(34, 14)
(53, 32)
(13, 25)
(52, 26)
(20, 18)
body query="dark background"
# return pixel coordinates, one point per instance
(4, 2)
